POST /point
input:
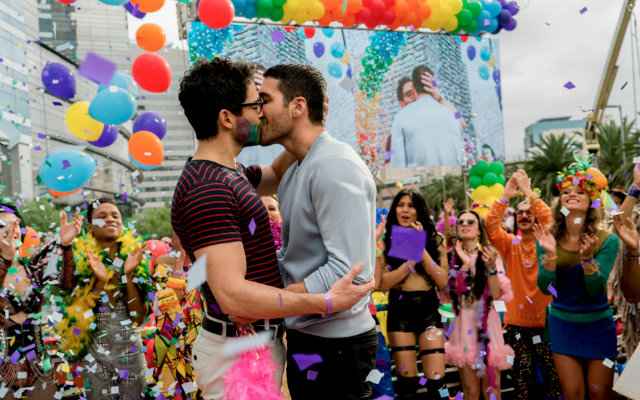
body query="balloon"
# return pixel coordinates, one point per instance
(504, 17)
(480, 168)
(146, 149)
(56, 194)
(142, 166)
(58, 80)
(475, 7)
(66, 2)
(490, 179)
(501, 179)
(493, 7)
(496, 167)
(309, 32)
(493, 25)
(337, 50)
(471, 52)
(464, 18)
(113, 106)
(318, 49)
(513, 8)
(123, 81)
(511, 25)
(80, 123)
(216, 14)
(66, 170)
(455, 6)
(114, 2)
(151, 122)
(480, 194)
(108, 137)
(335, 70)
(328, 32)
(158, 248)
(152, 73)
(484, 20)
(30, 242)
(475, 181)
(485, 54)
(484, 72)
(148, 6)
(150, 37)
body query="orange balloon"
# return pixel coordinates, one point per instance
(57, 194)
(30, 242)
(148, 6)
(146, 148)
(150, 37)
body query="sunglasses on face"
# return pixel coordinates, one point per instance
(466, 222)
(256, 105)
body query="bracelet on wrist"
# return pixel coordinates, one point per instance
(504, 201)
(634, 191)
(328, 304)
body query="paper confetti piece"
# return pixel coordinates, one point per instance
(123, 374)
(444, 393)
(552, 290)
(510, 360)
(584, 10)
(624, 85)
(252, 226)
(374, 376)
(500, 306)
(97, 69)
(607, 363)
(189, 387)
(565, 211)
(235, 346)
(305, 361)
(422, 381)
(569, 85)
(312, 375)
(197, 273)
(99, 222)
(22, 375)
(536, 339)
(516, 240)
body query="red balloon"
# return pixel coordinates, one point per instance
(66, 2)
(216, 14)
(309, 32)
(152, 73)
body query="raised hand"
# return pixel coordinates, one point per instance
(133, 260)
(627, 232)
(588, 246)
(344, 294)
(545, 238)
(98, 268)
(462, 255)
(427, 81)
(417, 226)
(489, 256)
(448, 207)
(524, 182)
(69, 230)
(511, 189)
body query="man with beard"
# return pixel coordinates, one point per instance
(327, 201)
(217, 215)
(526, 313)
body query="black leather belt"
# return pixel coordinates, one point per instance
(229, 329)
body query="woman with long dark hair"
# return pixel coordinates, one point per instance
(413, 317)
(575, 259)
(476, 284)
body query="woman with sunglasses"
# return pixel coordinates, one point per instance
(477, 286)
(413, 301)
(575, 259)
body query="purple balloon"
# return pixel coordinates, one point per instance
(134, 10)
(152, 122)
(513, 8)
(58, 80)
(108, 137)
(511, 25)
(503, 3)
(471, 52)
(504, 17)
(318, 49)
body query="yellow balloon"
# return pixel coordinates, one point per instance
(451, 24)
(455, 6)
(80, 123)
(481, 194)
(482, 211)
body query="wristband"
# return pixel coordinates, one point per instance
(634, 191)
(504, 201)
(328, 303)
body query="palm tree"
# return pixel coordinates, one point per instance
(550, 156)
(618, 147)
(437, 191)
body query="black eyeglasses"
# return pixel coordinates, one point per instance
(466, 222)
(256, 105)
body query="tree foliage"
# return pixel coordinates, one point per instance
(154, 222)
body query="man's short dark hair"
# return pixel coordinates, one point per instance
(416, 77)
(403, 81)
(297, 80)
(211, 86)
(96, 204)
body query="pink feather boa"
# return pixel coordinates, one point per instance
(252, 377)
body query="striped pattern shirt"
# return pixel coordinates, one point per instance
(212, 205)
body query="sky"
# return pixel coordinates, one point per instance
(553, 44)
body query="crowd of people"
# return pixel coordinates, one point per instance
(291, 253)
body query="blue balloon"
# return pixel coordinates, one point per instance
(108, 137)
(141, 166)
(335, 70)
(66, 170)
(493, 7)
(337, 50)
(114, 106)
(123, 81)
(493, 26)
(318, 49)
(328, 32)
(484, 21)
(245, 8)
(484, 72)
(114, 2)
(471, 52)
(485, 54)
(152, 122)
(58, 80)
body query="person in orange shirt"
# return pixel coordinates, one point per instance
(534, 373)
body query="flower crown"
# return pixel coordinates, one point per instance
(584, 175)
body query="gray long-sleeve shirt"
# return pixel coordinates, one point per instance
(328, 206)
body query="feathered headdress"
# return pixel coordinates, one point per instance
(583, 174)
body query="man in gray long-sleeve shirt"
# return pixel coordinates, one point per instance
(327, 203)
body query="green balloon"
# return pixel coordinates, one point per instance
(490, 179)
(464, 18)
(482, 167)
(475, 181)
(279, 3)
(475, 7)
(473, 27)
(276, 13)
(497, 168)
(501, 179)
